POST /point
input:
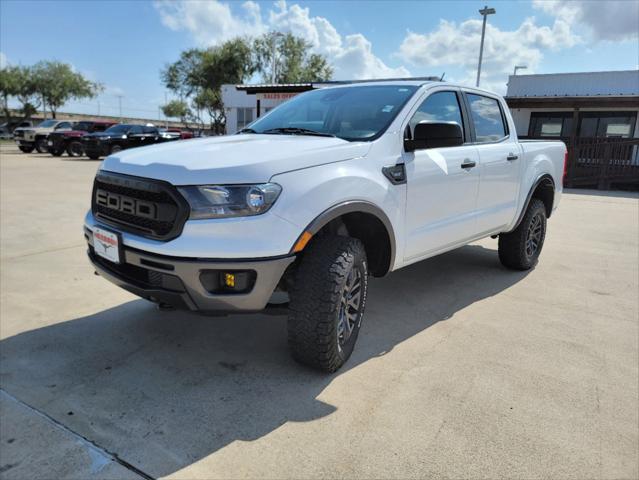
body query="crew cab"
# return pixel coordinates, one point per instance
(30, 138)
(123, 136)
(303, 205)
(70, 141)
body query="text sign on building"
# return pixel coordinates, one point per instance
(275, 95)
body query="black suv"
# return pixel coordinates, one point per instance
(123, 136)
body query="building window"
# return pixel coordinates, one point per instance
(550, 124)
(607, 124)
(244, 117)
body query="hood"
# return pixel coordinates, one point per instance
(245, 158)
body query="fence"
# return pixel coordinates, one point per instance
(602, 162)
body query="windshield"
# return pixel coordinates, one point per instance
(351, 113)
(82, 126)
(48, 123)
(118, 129)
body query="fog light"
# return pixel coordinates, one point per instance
(225, 282)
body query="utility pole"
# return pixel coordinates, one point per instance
(276, 35)
(120, 106)
(519, 67)
(166, 120)
(484, 13)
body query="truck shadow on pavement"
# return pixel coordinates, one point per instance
(163, 390)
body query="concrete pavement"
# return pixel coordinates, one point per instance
(462, 370)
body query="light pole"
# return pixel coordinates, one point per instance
(276, 35)
(120, 106)
(519, 67)
(484, 13)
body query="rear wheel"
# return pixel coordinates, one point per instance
(327, 301)
(57, 153)
(520, 248)
(75, 149)
(26, 149)
(41, 145)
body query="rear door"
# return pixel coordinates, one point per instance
(442, 183)
(500, 158)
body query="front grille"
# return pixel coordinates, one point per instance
(146, 207)
(18, 134)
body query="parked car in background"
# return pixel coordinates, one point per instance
(123, 136)
(6, 129)
(70, 141)
(30, 138)
(184, 134)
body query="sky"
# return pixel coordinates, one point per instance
(124, 44)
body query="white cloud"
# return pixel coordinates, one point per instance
(3, 60)
(610, 20)
(212, 22)
(457, 45)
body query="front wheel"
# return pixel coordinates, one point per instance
(75, 149)
(26, 149)
(57, 153)
(327, 301)
(41, 145)
(520, 248)
(115, 149)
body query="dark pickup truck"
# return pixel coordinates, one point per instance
(123, 136)
(70, 141)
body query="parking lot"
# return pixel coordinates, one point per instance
(463, 369)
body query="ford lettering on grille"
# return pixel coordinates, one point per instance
(130, 205)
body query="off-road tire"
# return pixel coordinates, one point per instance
(57, 153)
(93, 156)
(513, 251)
(316, 294)
(75, 149)
(26, 149)
(41, 145)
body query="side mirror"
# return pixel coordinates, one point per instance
(434, 135)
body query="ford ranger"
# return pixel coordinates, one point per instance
(297, 210)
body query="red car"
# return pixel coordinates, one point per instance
(70, 140)
(184, 134)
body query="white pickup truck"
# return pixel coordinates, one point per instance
(303, 205)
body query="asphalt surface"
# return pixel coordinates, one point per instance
(462, 370)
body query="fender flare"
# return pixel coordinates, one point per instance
(544, 178)
(352, 206)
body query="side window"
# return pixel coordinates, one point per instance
(150, 130)
(134, 130)
(62, 125)
(487, 118)
(438, 107)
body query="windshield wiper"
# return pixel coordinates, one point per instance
(247, 130)
(297, 131)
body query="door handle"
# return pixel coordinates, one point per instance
(511, 157)
(468, 163)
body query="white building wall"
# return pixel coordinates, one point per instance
(234, 99)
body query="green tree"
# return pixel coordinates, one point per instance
(197, 77)
(57, 83)
(177, 109)
(293, 60)
(19, 82)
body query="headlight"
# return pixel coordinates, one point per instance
(223, 201)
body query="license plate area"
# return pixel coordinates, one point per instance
(107, 244)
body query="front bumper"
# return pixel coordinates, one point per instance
(176, 281)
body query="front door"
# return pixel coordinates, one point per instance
(442, 184)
